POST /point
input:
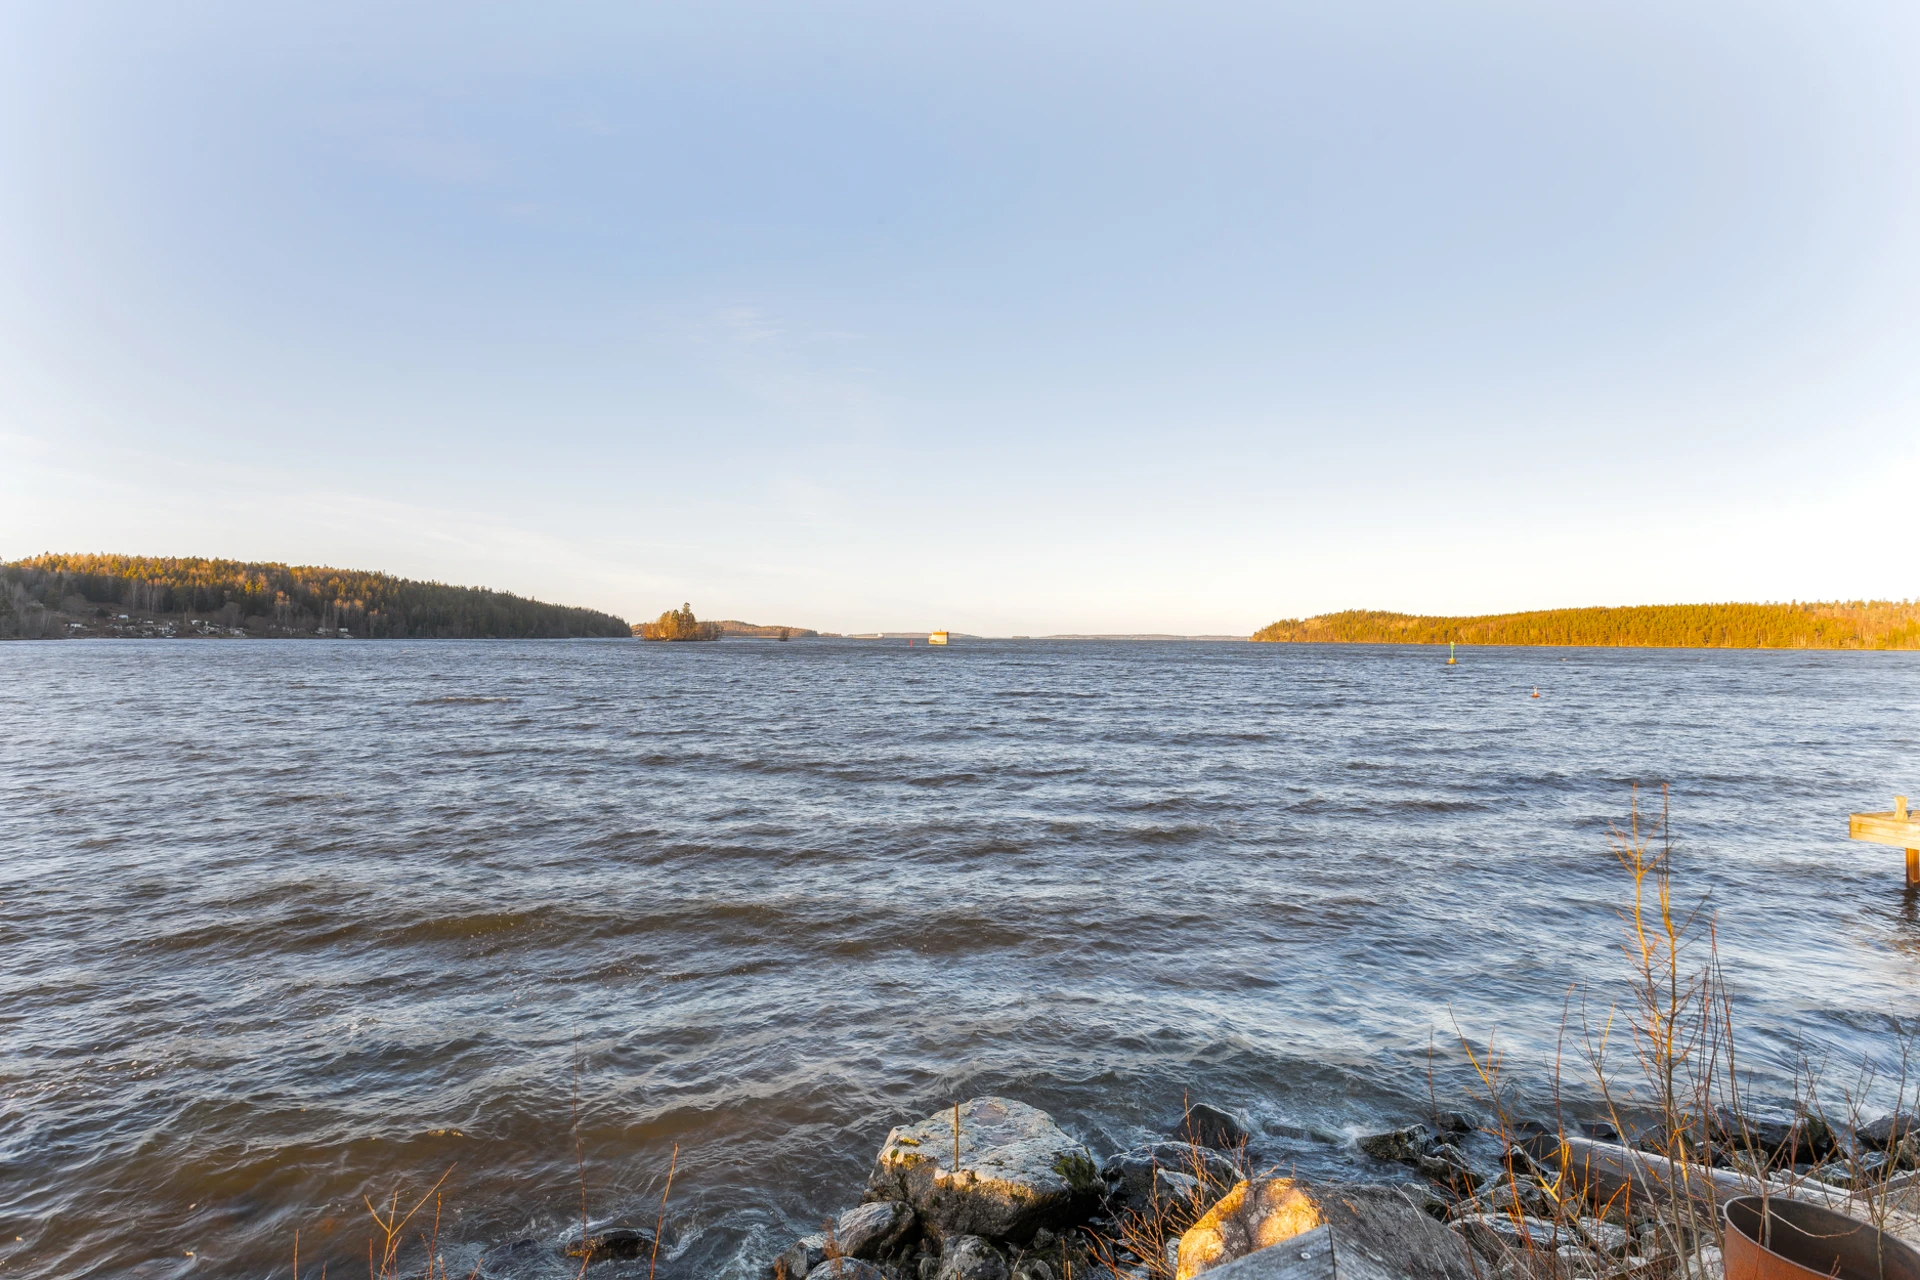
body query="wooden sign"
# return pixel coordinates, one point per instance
(1895, 828)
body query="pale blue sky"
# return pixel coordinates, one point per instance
(1004, 318)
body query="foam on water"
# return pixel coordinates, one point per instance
(289, 923)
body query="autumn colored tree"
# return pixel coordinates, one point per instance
(678, 624)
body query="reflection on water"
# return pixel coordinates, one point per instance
(286, 923)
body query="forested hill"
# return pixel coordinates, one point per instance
(53, 595)
(1861, 624)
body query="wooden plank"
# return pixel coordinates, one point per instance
(1896, 828)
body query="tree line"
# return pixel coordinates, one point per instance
(1859, 624)
(267, 598)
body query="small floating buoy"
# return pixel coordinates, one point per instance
(1450, 658)
(1536, 691)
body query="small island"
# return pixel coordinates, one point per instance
(680, 624)
(677, 624)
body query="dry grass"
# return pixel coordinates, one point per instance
(1142, 1236)
(1664, 1066)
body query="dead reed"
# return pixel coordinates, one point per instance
(1662, 1064)
(1147, 1235)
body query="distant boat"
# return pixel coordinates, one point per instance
(938, 637)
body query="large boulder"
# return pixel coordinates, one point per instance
(1017, 1172)
(1251, 1217)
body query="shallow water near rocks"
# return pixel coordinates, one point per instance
(286, 924)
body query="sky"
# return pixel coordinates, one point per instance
(998, 317)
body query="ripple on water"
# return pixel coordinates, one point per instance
(273, 942)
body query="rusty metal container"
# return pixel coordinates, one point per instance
(1777, 1239)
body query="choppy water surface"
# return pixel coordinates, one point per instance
(286, 923)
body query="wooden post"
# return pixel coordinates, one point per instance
(1913, 855)
(1897, 828)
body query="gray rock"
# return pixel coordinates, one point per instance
(1519, 1162)
(1446, 1164)
(970, 1258)
(1521, 1195)
(867, 1232)
(1033, 1269)
(1604, 1236)
(846, 1269)
(1402, 1146)
(1787, 1138)
(1017, 1172)
(1165, 1173)
(800, 1258)
(1390, 1227)
(1423, 1197)
(1170, 1188)
(873, 1230)
(1577, 1260)
(1320, 1254)
(618, 1244)
(1885, 1133)
(1209, 1126)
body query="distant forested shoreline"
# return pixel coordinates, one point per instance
(1860, 624)
(50, 596)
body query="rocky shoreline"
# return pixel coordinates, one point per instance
(993, 1189)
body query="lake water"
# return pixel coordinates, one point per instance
(287, 923)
